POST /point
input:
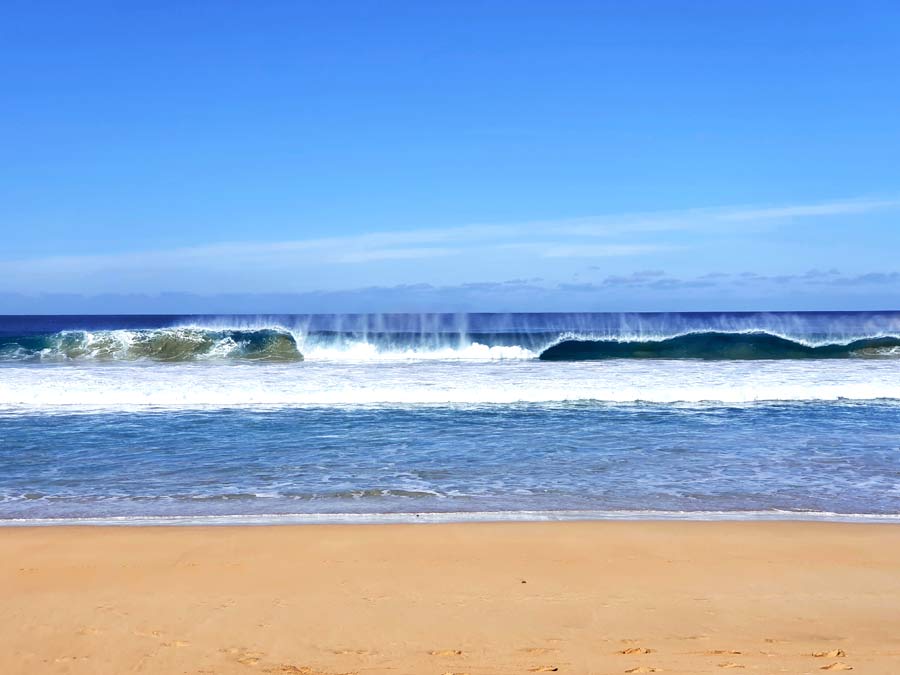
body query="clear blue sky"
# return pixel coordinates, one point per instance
(450, 155)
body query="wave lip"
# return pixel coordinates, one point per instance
(719, 346)
(159, 344)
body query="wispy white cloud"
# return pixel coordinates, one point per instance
(641, 236)
(705, 219)
(603, 250)
(418, 253)
(838, 208)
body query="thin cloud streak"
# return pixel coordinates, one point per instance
(603, 250)
(609, 236)
(396, 254)
(805, 211)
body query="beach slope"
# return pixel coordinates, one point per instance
(476, 598)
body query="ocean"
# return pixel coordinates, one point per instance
(424, 417)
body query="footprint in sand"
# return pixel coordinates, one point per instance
(837, 666)
(151, 633)
(694, 637)
(347, 652)
(176, 643)
(446, 652)
(89, 631)
(636, 650)
(290, 669)
(644, 669)
(543, 669)
(243, 656)
(834, 653)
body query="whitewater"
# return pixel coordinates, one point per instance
(435, 382)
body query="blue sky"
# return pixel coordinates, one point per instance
(294, 156)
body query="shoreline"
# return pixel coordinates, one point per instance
(482, 598)
(453, 517)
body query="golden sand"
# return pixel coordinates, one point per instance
(480, 599)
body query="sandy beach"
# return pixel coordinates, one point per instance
(586, 597)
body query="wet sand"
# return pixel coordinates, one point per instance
(482, 599)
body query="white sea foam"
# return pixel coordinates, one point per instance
(398, 382)
(455, 517)
(365, 351)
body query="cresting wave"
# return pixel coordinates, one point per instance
(713, 345)
(186, 344)
(160, 344)
(279, 344)
(446, 337)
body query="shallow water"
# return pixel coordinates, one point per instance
(820, 457)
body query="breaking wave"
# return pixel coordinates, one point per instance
(161, 344)
(714, 345)
(446, 337)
